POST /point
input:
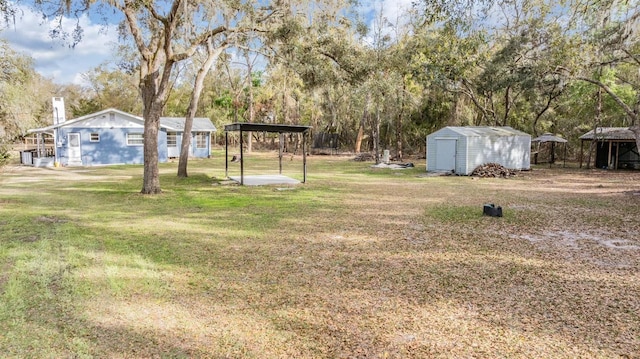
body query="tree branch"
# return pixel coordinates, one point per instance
(136, 33)
(198, 41)
(616, 98)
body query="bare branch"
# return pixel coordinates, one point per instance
(616, 98)
(136, 33)
(198, 41)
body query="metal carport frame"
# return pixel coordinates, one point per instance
(263, 127)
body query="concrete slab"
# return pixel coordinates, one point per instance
(261, 180)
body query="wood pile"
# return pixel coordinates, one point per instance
(492, 170)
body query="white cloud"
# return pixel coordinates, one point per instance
(395, 10)
(54, 58)
(394, 13)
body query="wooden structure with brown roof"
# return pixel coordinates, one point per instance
(615, 148)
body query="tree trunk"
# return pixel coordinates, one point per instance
(212, 55)
(399, 122)
(154, 85)
(596, 123)
(507, 106)
(636, 131)
(250, 104)
(363, 121)
(151, 113)
(376, 137)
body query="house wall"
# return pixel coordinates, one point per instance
(195, 151)
(111, 148)
(201, 152)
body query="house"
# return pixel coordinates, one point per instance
(616, 148)
(111, 137)
(462, 149)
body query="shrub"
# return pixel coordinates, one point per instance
(4, 155)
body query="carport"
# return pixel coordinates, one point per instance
(263, 127)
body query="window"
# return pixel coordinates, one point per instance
(201, 140)
(135, 139)
(172, 139)
(95, 137)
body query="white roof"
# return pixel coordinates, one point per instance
(484, 131)
(200, 124)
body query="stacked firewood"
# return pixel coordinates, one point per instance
(492, 170)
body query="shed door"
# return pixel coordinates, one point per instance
(73, 149)
(445, 154)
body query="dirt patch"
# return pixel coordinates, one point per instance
(15, 179)
(4, 276)
(30, 239)
(49, 219)
(573, 239)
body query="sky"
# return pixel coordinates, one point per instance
(53, 58)
(65, 65)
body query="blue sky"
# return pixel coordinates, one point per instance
(53, 58)
(57, 61)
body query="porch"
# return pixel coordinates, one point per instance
(39, 151)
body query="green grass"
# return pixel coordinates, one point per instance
(357, 262)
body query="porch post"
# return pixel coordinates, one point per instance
(609, 157)
(55, 146)
(38, 140)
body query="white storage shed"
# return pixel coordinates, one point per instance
(462, 149)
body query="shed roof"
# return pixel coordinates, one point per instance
(610, 133)
(547, 137)
(484, 131)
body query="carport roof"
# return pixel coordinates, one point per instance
(547, 137)
(265, 127)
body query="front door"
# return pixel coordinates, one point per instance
(73, 149)
(445, 155)
(172, 145)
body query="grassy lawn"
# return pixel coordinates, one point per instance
(356, 263)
